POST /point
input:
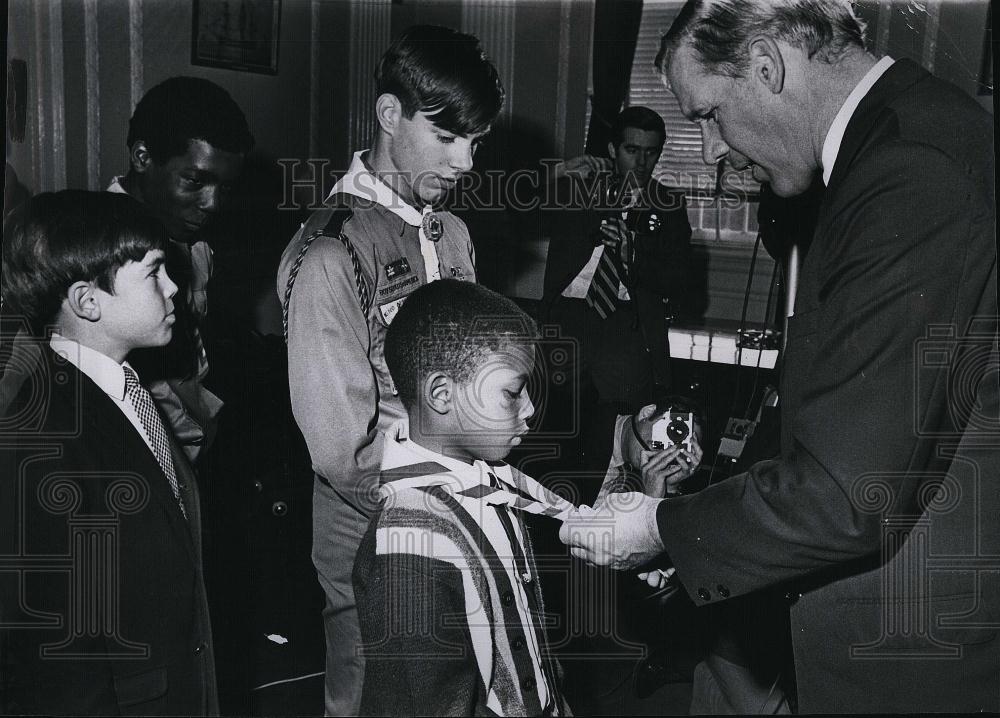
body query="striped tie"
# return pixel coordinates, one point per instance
(142, 402)
(602, 294)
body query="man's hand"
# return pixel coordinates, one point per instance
(663, 470)
(581, 167)
(617, 238)
(620, 533)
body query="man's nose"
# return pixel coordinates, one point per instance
(713, 147)
(210, 199)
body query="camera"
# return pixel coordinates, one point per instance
(673, 429)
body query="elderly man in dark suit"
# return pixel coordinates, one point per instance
(620, 248)
(879, 516)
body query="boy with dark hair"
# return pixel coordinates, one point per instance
(445, 578)
(187, 140)
(344, 276)
(105, 609)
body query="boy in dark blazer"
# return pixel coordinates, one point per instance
(101, 590)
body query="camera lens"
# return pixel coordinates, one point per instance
(677, 430)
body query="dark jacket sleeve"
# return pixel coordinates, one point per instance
(906, 243)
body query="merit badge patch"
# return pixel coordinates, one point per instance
(397, 268)
(390, 309)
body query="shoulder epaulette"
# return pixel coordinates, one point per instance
(332, 228)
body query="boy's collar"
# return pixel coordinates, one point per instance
(361, 182)
(104, 371)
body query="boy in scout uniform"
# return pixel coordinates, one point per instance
(343, 277)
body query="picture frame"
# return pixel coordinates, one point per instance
(238, 35)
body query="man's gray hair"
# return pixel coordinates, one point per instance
(719, 31)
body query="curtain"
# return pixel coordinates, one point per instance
(616, 28)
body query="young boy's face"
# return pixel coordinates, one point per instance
(493, 408)
(430, 160)
(139, 313)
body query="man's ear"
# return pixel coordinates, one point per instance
(438, 392)
(646, 412)
(139, 157)
(388, 112)
(767, 63)
(612, 151)
(83, 301)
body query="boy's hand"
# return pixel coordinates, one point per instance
(663, 470)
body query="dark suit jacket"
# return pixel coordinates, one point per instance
(102, 573)
(881, 511)
(661, 267)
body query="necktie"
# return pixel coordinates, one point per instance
(142, 402)
(603, 291)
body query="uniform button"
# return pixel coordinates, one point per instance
(723, 591)
(517, 644)
(704, 594)
(507, 598)
(200, 648)
(528, 683)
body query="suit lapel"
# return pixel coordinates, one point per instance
(901, 75)
(122, 444)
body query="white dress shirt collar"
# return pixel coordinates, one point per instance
(104, 371)
(835, 135)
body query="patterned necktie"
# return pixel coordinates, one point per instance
(142, 402)
(602, 295)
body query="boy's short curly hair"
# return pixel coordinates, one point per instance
(58, 238)
(452, 327)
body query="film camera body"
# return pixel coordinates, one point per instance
(673, 429)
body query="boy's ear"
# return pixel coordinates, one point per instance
(139, 157)
(83, 302)
(388, 112)
(438, 389)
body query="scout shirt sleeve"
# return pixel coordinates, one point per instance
(332, 385)
(895, 256)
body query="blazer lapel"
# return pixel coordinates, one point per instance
(901, 75)
(127, 449)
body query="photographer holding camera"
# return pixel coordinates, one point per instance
(620, 247)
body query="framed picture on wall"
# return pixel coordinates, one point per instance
(236, 34)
